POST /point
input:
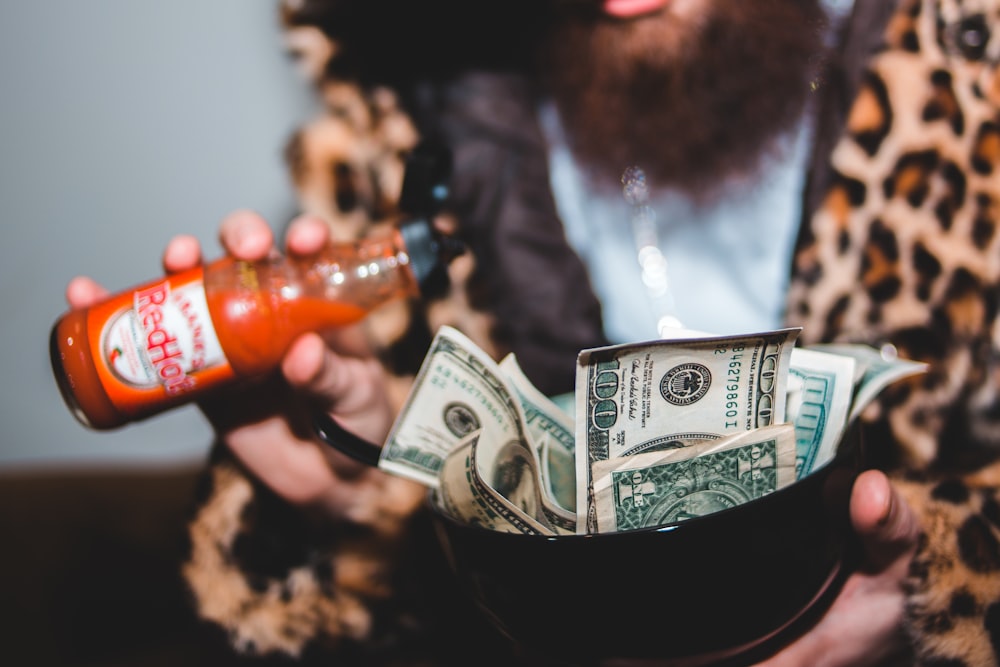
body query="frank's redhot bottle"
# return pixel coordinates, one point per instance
(169, 341)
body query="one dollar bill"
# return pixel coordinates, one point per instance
(659, 488)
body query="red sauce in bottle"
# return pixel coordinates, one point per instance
(255, 330)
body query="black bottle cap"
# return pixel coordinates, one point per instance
(426, 186)
(429, 251)
(426, 179)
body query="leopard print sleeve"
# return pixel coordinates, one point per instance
(953, 590)
(902, 253)
(279, 583)
(276, 580)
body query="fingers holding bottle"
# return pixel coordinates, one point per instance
(306, 235)
(246, 235)
(83, 291)
(205, 325)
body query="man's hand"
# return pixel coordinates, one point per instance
(864, 624)
(268, 424)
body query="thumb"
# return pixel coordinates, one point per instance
(885, 523)
(351, 388)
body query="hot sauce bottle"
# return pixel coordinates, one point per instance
(169, 341)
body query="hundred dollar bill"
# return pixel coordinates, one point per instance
(820, 388)
(658, 488)
(665, 394)
(466, 497)
(553, 435)
(458, 390)
(511, 469)
(875, 371)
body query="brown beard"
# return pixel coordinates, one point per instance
(695, 101)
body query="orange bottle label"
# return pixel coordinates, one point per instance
(156, 344)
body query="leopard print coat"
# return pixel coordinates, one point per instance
(899, 249)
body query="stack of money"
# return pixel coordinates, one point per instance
(658, 431)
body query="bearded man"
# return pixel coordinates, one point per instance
(666, 87)
(723, 117)
(714, 103)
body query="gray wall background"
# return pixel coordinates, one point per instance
(123, 123)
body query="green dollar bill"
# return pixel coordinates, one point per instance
(460, 390)
(659, 488)
(552, 432)
(820, 388)
(467, 497)
(876, 370)
(457, 391)
(666, 394)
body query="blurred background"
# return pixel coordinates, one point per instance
(123, 124)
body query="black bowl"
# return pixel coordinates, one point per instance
(702, 591)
